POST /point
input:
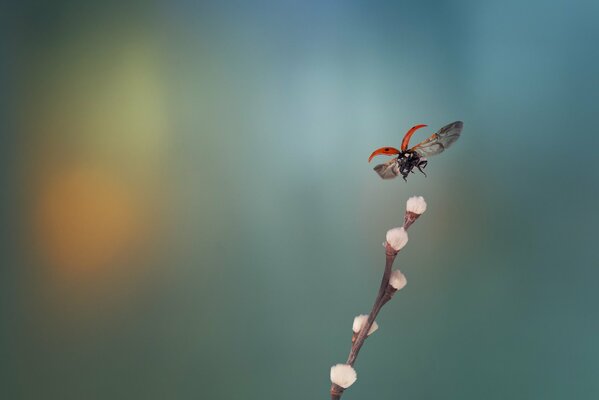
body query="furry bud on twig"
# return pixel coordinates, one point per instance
(397, 238)
(397, 280)
(415, 207)
(343, 375)
(359, 322)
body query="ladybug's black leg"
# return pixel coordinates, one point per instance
(404, 174)
(422, 164)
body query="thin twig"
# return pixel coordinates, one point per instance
(376, 307)
(384, 295)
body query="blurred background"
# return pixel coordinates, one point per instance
(189, 212)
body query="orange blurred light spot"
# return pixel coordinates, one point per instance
(85, 220)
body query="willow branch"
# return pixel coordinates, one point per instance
(382, 297)
(385, 293)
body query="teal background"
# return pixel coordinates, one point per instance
(243, 131)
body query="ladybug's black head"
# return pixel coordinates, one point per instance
(408, 160)
(407, 155)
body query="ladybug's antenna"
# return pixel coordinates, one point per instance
(406, 139)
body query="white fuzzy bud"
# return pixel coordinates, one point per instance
(397, 280)
(397, 238)
(416, 205)
(359, 322)
(343, 375)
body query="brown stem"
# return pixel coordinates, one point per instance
(376, 307)
(336, 392)
(409, 219)
(384, 295)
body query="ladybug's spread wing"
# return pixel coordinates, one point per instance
(388, 151)
(439, 141)
(388, 170)
(406, 139)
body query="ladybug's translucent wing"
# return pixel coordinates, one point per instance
(388, 170)
(439, 141)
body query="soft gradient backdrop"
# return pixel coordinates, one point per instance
(188, 212)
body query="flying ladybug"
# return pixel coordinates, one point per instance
(415, 157)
